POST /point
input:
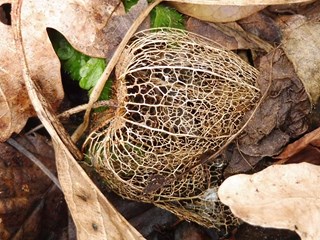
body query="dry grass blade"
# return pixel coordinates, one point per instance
(181, 98)
(35, 160)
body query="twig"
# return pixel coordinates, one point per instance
(77, 109)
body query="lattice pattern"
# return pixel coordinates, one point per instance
(181, 97)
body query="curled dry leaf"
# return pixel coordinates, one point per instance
(84, 25)
(103, 221)
(15, 107)
(302, 46)
(240, 2)
(281, 196)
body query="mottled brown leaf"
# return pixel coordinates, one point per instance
(263, 26)
(280, 117)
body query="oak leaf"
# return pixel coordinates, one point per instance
(92, 27)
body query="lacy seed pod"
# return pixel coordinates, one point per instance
(180, 98)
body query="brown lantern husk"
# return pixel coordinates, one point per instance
(180, 98)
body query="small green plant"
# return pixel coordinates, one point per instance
(164, 16)
(82, 68)
(161, 15)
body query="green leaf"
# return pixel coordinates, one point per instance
(161, 15)
(164, 16)
(90, 72)
(128, 4)
(80, 67)
(107, 91)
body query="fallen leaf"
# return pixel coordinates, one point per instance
(263, 26)
(216, 13)
(304, 149)
(102, 221)
(228, 11)
(15, 107)
(281, 196)
(279, 118)
(302, 47)
(88, 25)
(229, 35)
(241, 2)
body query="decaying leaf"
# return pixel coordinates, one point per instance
(84, 23)
(229, 35)
(302, 46)
(263, 26)
(240, 2)
(102, 221)
(22, 186)
(280, 117)
(281, 196)
(15, 107)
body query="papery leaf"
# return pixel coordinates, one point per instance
(84, 24)
(281, 196)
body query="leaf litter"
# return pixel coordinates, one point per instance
(253, 150)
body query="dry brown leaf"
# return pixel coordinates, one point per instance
(102, 221)
(240, 2)
(304, 149)
(216, 13)
(228, 11)
(15, 107)
(229, 35)
(281, 196)
(263, 26)
(93, 215)
(302, 46)
(88, 25)
(280, 117)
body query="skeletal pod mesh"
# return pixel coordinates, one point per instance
(180, 98)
